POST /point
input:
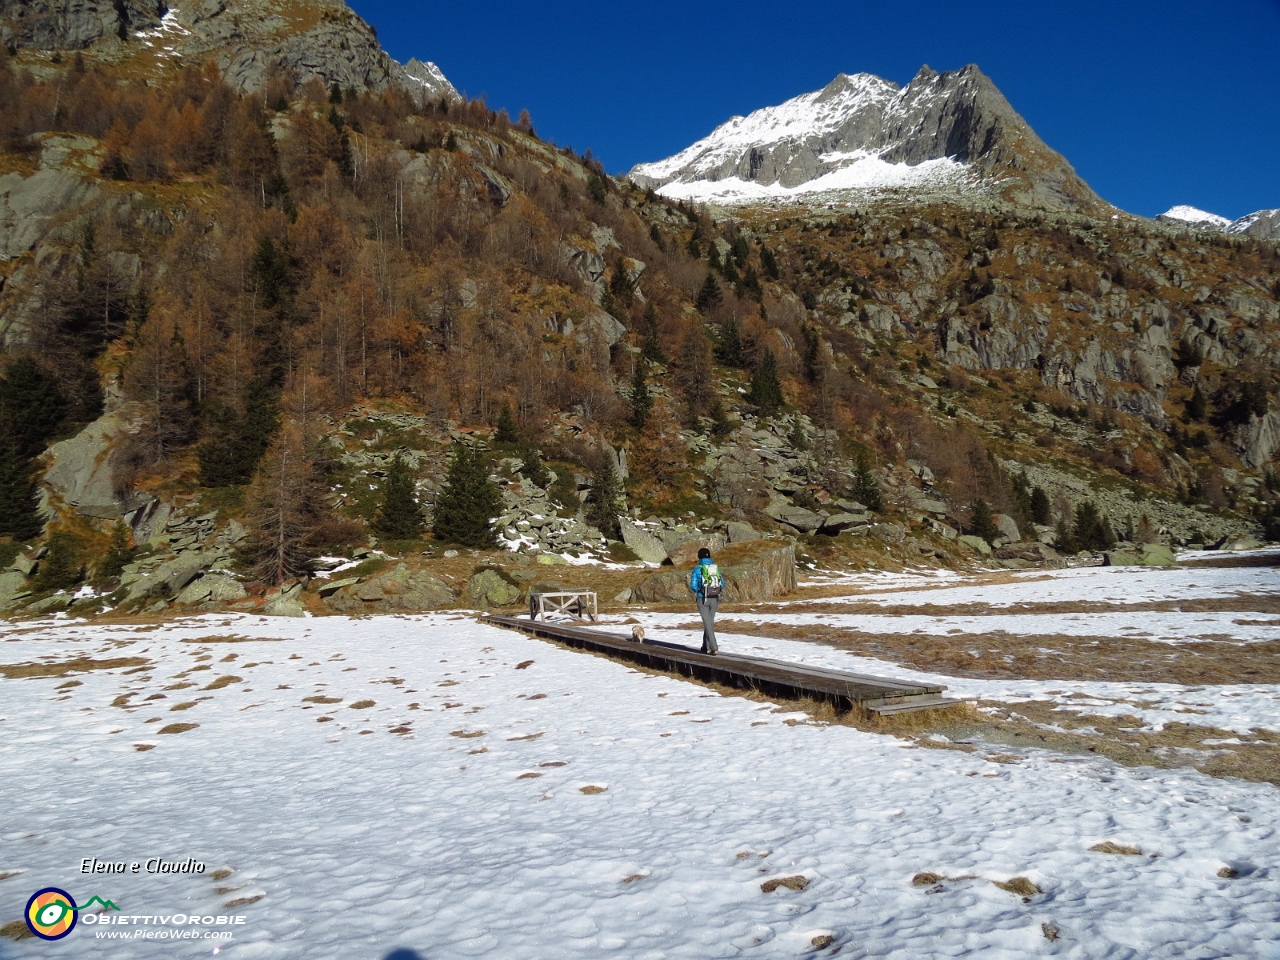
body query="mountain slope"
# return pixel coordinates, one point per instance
(953, 131)
(250, 40)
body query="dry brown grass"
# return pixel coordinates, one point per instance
(61, 668)
(1255, 758)
(1020, 886)
(177, 727)
(790, 883)
(592, 789)
(223, 681)
(1108, 847)
(1042, 656)
(16, 930)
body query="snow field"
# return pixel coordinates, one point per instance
(658, 810)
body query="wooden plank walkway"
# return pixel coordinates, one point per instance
(773, 677)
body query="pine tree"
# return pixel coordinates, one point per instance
(469, 502)
(19, 498)
(236, 442)
(709, 296)
(31, 408)
(531, 465)
(505, 430)
(769, 263)
(766, 389)
(1197, 406)
(119, 553)
(399, 516)
(1039, 506)
(621, 283)
(729, 349)
(60, 567)
(641, 399)
(983, 523)
(651, 348)
(866, 489)
(606, 499)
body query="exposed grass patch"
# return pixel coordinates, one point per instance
(1040, 656)
(1117, 848)
(592, 789)
(232, 638)
(1020, 886)
(790, 883)
(362, 704)
(178, 727)
(467, 734)
(223, 681)
(185, 705)
(61, 668)
(16, 930)
(320, 699)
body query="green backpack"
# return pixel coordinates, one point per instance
(712, 582)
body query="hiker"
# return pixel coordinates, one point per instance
(707, 584)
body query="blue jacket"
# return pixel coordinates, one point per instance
(695, 577)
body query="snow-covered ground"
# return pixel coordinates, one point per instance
(1113, 585)
(478, 792)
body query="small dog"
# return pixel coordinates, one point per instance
(637, 634)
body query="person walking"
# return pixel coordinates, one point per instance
(707, 584)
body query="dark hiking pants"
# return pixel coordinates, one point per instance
(707, 610)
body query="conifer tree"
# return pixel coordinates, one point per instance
(606, 500)
(531, 465)
(651, 348)
(766, 388)
(641, 399)
(1039, 506)
(865, 487)
(505, 430)
(983, 521)
(469, 501)
(399, 517)
(119, 553)
(621, 284)
(19, 498)
(729, 349)
(709, 296)
(60, 567)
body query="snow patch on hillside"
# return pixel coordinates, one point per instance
(861, 173)
(1194, 215)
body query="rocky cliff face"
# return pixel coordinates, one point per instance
(75, 24)
(951, 130)
(249, 39)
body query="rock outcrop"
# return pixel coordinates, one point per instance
(397, 591)
(248, 39)
(761, 570)
(85, 471)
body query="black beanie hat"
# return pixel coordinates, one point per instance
(704, 554)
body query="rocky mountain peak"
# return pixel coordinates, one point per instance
(249, 39)
(951, 131)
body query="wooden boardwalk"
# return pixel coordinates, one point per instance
(773, 677)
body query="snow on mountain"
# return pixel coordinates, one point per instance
(432, 80)
(1262, 224)
(861, 134)
(1192, 215)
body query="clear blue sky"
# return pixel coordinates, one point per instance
(1153, 103)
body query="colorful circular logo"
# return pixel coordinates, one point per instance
(51, 913)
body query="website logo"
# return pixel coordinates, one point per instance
(52, 912)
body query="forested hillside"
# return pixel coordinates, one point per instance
(266, 300)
